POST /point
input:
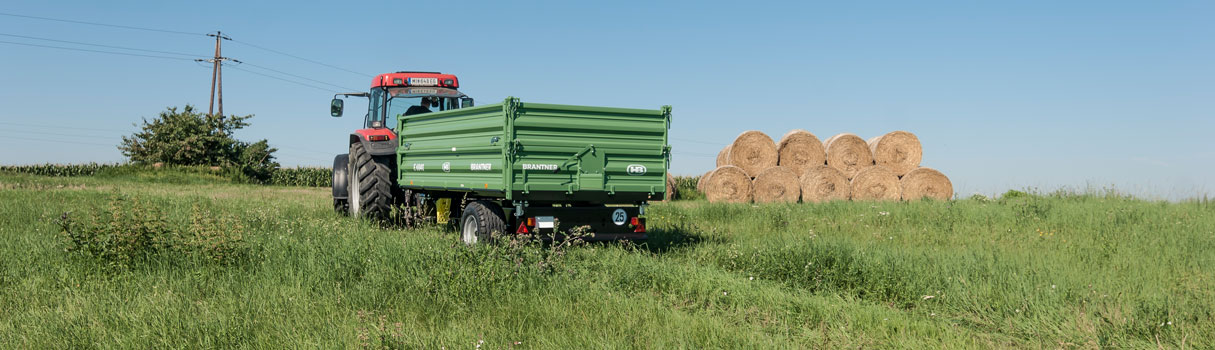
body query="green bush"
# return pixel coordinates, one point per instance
(131, 232)
(192, 138)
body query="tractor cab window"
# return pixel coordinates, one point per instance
(408, 101)
(375, 112)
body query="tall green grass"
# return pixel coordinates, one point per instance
(1025, 271)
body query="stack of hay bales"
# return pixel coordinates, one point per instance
(800, 167)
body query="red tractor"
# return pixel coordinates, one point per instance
(363, 178)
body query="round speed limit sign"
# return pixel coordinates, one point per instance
(619, 217)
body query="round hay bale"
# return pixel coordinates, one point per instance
(722, 157)
(823, 183)
(777, 184)
(753, 151)
(672, 189)
(799, 150)
(926, 182)
(848, 153)
(876, 183)
(729, 184)
(898, 151)
(700, 183)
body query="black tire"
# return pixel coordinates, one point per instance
(370, 185)
(341, 184)
(479, 222)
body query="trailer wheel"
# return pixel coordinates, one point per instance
(370, 185)
(480, 220)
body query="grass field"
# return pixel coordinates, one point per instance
(1024, 271)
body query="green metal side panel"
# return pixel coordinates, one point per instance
(453, 150)
(545, 152)
(619, 152)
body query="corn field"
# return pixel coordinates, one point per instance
(89, 169)
(304, 176)
(301, 176)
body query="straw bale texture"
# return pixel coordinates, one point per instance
(799, 150)
(876, 183)
(926, 182)
(753, 151)
(722, 157)
(823, 183)
(700, 183)
(777, 184)
(898, 151)
(672, 190)
(848, 153)
(729, 184)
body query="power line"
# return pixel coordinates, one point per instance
(99, 45)
(56, 141)
(305, 150)
(163, 52)
(696, 141)
(286, 80)
(97, 51)
(101, 24)
(59, 134)
(300, 58)
(297, 76)
(65, 127)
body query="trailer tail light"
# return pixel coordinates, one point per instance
(523, 226)
(377, 138)
(638, 224)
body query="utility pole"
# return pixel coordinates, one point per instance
(217, 75)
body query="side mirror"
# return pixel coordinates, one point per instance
(335, 107)
(466, 102)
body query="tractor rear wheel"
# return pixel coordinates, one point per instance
(480, 221)
(370, 185)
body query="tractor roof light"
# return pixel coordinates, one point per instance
(426, 79)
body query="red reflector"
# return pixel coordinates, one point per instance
(522, 229)
(635, 221)
(378, 137)
(639, 228)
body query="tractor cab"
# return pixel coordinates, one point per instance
(403, 93)
(391, 95)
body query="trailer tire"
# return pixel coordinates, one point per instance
(480, 220)
(370, 185)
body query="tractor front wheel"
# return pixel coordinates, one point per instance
(341, 184)
(370, 185)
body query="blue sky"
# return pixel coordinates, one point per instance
(1045, 94)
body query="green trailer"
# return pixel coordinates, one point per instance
(521, 167)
